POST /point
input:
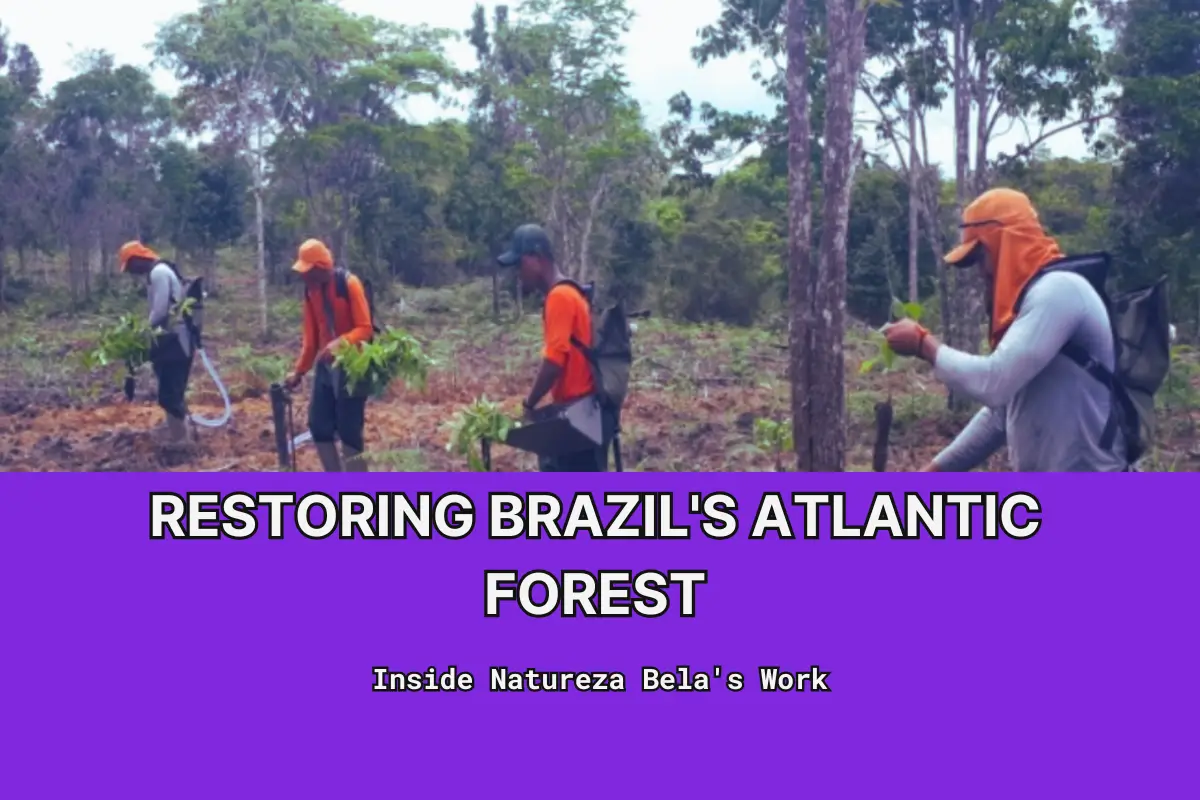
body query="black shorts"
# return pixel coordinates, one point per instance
(333, 413)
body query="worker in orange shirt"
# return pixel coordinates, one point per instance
(332, 319)
(565, 372)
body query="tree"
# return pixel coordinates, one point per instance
(244, 66)
(802, 318)
(101, 125)
(340, 139)
(18, 93)
(580, 134)
(203, 193)
(825, 440)
(487, 202)
(1156, 60)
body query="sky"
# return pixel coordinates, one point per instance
(658, 55)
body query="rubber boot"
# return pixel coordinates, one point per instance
(355, 460)
(328, 453)
(177, 430)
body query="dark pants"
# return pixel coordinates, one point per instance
(593, 459)
(332, 412)
(172, 375)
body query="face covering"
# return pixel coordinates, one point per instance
(1003, 224)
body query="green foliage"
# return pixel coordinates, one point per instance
(1156, 214)
(774, 439)
(902, 310)
(127, 342)
(1179, 389)
(303, 103)
(1074, 199)
(375, 364)
(482, 420)
(887, 356)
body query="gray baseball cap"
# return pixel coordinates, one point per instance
(527, 240)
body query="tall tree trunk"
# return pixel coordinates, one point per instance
(800, 273)
(209, 269)
(979, 175)
(931, 209)
(589, 224)
(76, 270)
(260, 235)
(955, 315)
(914, 197)
(3, 273)
(846, 27)
(973, 314)
(258, 174)
(495, 290)
(343, 231)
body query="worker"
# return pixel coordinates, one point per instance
(336, 314)
(1049, 411)
(173, 349)
(565, 373)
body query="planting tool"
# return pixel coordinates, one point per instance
(281, 415)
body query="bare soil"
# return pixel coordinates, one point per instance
(697, 391)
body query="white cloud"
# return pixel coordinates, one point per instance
(658, 52)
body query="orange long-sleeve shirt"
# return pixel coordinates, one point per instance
(566, 314)
(351, 317)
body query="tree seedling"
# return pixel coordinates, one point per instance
(127, 342)
(375, 364)
(887, 358)
(774, 439)
(482, 421)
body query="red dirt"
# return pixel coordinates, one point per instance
(702, 434)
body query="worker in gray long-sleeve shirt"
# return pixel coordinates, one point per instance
(1048, 410)
(173, 351)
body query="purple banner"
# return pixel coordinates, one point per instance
(1056, 662)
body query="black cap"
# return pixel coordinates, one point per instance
(527, 240)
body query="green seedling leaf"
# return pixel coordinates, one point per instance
(481, 420)
(390, 355)
(127, 342)
(902, 310)
(887, 354)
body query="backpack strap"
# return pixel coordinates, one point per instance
(175, 303)
(1122, 403)
(588, 352)
(1093, 267)
(341, 284)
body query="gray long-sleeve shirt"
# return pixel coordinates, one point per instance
(165, 290)
(1045, 407)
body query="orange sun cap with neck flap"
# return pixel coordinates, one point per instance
(134, 249)
(1005, 224)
